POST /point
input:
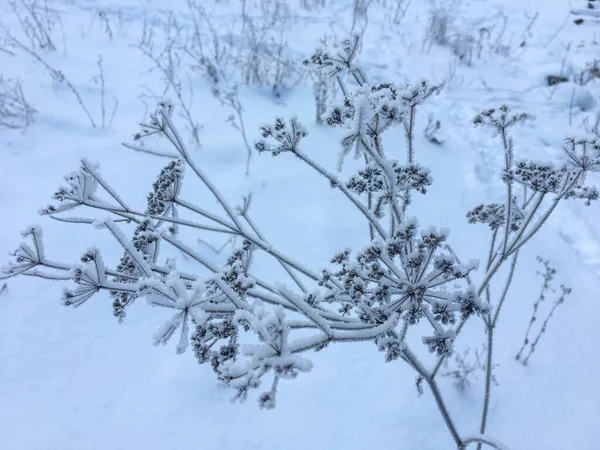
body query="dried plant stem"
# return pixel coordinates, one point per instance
(416, 364)
(565, 292)
(168, 71)
(102, 88)
(491, 322)
(58, 75)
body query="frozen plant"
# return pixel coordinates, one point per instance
(324, 88)
(533, 191)
(442, 30)
(589, 73)
(564, 291)
(263, 51)
(360, 17)
(214, 63)
(465, 366)
(441, 22)
(38, 21)
(167, 62)
(548, 275)
(592, 128)
(253, 331)
(398, 8)
(15, 110)
(100, 79)
(58, 76)
(102, 16)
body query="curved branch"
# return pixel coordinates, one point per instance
(483, 439)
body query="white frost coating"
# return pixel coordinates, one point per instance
(388, 167)
(240, 371)
(83, 182)
(35, 231)
(155, 299)
(28, 251)
(174, 282)
(494, 443)
(298, 362)
(166, 331)
(452, 169)
(118, 286)
(258, 352)
(368, 333)
(126, 244)
(310, 312)
(441, 233)
(199, 315)
(174, 295)
(251, 319)
(231, 294)
(99, 265)
(184, 342)
(147, 285)
(93, 169)
(307, 342)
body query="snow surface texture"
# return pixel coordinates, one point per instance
(77, 379)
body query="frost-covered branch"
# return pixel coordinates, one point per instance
(406, 275)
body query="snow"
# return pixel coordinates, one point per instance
(77, 379)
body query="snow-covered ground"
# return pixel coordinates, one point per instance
(77, 379)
